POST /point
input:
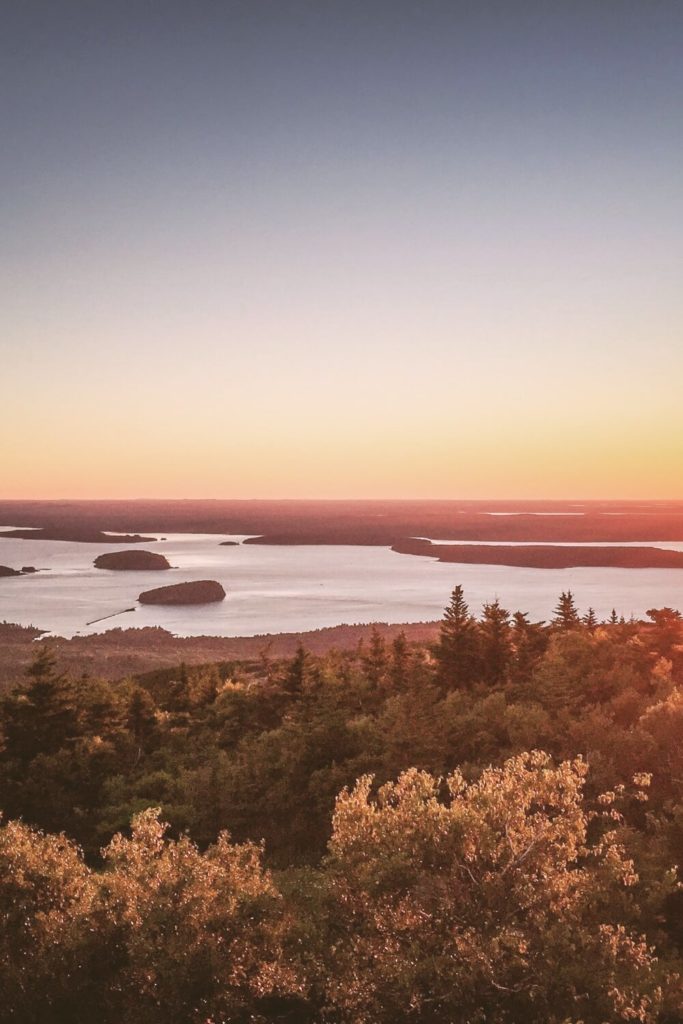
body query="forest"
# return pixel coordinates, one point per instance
(485, 829)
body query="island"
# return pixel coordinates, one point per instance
(544, 556)
(6, 571)
(195, 592)
(134, 561)
(75, 534)
(229, 543)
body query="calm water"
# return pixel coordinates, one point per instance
(291, 589)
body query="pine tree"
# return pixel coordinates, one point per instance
(398, 671)
(375, 661)
(496, 645)
(457, 651)
(566, 615)
(141, 719)
(43, 717)
(179, 692)
(590, 619)
(297, 671)
(529, 641)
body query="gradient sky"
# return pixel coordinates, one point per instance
(341, 249)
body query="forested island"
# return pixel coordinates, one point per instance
(74, 534)
(482, 826)
(132, 561)
(539, 556)
(192, 592)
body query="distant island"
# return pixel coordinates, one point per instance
(74, 534)
(380, 523)
(26, 570)
(195, 592)
(542, 556)
(135, 561)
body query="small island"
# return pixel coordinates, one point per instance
(133, 561)
(195, 592)
(5, 570)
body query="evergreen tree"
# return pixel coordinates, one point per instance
(566, 615)
(529, 641)
(457, 651)
(375, 661)
(400, 661)
(496, 643)
(297, 671)
(141, 719)
(179, 692)
(42, 717)
(590, 619)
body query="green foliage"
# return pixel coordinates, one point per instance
(402, 907)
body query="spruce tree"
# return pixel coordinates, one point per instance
(398, 670)
(529, 641)
(375, 661)
(566, 615)
(297, 671)
(496, 645)
(590, 619)
(42, 717)
(179, 692)
(141, 720)
(457, 651)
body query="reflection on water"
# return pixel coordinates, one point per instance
(291, 589)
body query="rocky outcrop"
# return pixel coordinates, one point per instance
(6, 571)
(196, 592)
(131, 561)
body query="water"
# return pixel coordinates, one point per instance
(275, 589)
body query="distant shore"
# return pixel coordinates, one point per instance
(381, 523)
(118, 653)
(539, 556)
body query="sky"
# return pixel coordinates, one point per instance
(344, 248)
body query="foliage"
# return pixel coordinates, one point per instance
(457, 877)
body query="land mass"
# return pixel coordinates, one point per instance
(135, 561)
(118, 653)
(74, 534)
(539, 556)
(382, 523)
(194, 592)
